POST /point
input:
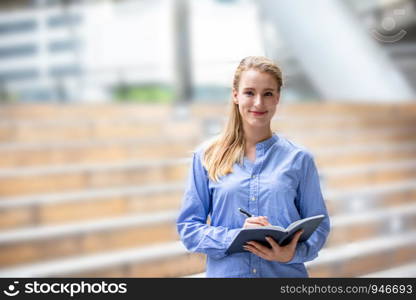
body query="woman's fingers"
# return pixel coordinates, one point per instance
(272, 242)
(296, 238)
(256, 246)
(260, 220)
(256, 221)
(252, 225)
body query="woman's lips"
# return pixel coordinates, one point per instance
(256, 113)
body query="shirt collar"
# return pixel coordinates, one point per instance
(266, 144)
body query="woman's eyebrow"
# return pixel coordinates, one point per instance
(266, 89)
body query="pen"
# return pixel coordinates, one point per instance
(244, 212)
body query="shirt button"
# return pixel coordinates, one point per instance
(254, 271)
(253, 198)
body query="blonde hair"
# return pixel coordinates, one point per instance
(229, 147)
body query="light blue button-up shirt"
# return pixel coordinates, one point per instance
(282, 184)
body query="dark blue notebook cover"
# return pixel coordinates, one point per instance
(282, 236)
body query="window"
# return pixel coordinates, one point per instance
(17, 27)
(65, 70)
(64, 20)
(24, 74)
(18, 51)
(64, 45)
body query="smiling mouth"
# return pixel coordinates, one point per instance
(258, 113)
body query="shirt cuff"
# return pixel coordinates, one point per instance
(300, 254)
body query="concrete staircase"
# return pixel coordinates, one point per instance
(94, 190)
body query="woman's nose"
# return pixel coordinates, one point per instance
(258, 100)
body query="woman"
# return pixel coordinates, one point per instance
(251, 167)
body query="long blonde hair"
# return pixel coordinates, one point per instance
(229, 147)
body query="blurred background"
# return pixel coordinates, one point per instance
(103, 101)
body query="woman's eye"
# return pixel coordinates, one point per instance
(268, 94)
(249, 93)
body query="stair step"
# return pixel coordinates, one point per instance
(379, 257)
(90, 263)
(360, 226)
(31, 244)
(62, 111)
(47, 131)
(368, 174)
(88, 204)
(112, 202)
(38, 243)
(406, 271)
(344, 261)
(334, 108)
(32, 154)
(51, 232)
(100, 111)
(35, 180)
(363, 257)
(347, 137)
(293, 122)
(370, 197)
(93, 151)
(354, 155)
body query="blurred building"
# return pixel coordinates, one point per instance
(92, 50)
(81, 51)
(86, 50)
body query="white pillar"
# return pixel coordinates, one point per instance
(182, 48)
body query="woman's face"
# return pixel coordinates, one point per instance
(257, 97)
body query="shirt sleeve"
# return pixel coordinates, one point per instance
(310, 203)
(194, 232)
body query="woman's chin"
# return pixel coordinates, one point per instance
(259, 123)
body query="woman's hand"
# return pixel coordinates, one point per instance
(278, 253)
(253, 222)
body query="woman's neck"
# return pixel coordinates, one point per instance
(256, 135)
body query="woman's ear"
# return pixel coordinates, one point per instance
(235, 100)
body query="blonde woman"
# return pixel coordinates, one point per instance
(248, 166)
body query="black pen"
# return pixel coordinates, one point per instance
(244, 212)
